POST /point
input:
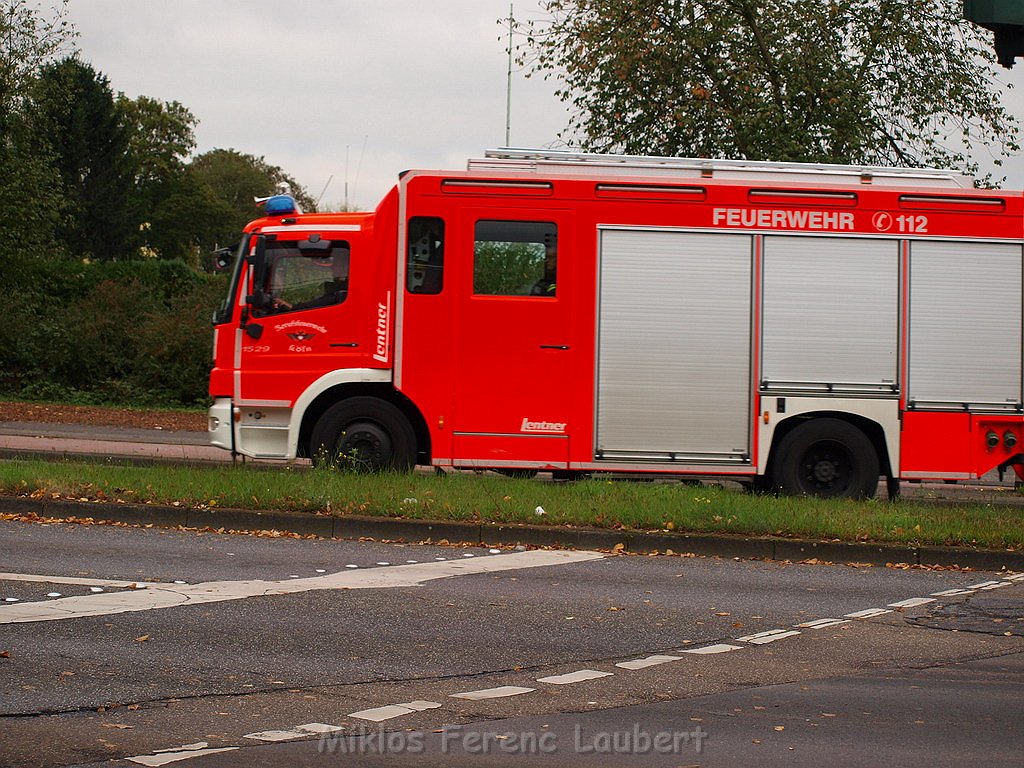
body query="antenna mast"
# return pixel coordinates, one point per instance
(508, 87)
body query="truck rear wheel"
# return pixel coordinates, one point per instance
(365, 434)
(828, 458)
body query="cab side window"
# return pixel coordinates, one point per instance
(425, 263)
(306, 275)
(515, 258)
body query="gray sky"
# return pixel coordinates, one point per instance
(392, 84)
(395, 84)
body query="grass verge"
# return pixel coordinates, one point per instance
(487, 498)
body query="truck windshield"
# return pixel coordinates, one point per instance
(305, 275)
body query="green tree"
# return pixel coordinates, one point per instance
(232, 179)
(880, 82)
(75, 119)
(168, 204)
(29, 38)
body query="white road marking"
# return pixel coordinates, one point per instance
(1016, 577)
(275, 735)
(380, 714)
(419, 705)
(171, 595)
(952, 592)
(762, 638)
(165, 757)
(648, 661)
(981, 585)
(318, 728)
(716, 648)
(911, 602)
(574, 677)
(997, 585)
(493, 693)
(185, 748)
(822, 623)
(868, 613)
(81, 582)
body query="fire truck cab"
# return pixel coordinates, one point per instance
(807, 328)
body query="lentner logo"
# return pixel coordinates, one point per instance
(383, 330)
(542, 426)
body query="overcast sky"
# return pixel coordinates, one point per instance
(389, 85)
(394, 84)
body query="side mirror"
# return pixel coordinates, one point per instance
(221, 259)
(257, 261)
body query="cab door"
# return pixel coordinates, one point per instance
(514, 345)
(306, 315)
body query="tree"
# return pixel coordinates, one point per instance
(28, 183)
(167, 204)
(233, 179)
(877, 82)
(75, 119)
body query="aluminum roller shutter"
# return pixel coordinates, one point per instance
(965, 325)
(831, 314)
(674, 345)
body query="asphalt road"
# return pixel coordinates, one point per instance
(144, 640)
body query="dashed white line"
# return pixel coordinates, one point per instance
(822, 623)
(912, 602)
(380, 714)
(981, 585)
(762, 638)
(574, 677)
(647, 661)
(868, 613)
(709, 649)
(313, 728)
(275, 735)
(493, 693)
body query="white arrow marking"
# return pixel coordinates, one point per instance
(172, 595)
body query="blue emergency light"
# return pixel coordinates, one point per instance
(280, 205)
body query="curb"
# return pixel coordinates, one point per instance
(506, 534)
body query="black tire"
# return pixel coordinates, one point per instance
(827, 458)
(365, 434)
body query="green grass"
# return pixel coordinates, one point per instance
(487, 498)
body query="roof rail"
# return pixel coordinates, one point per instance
(560, 162)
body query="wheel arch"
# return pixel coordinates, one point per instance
(871, 429)
(382, 391)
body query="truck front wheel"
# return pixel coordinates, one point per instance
(828, 458)
(365, 434)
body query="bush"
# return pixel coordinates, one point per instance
(121, 333)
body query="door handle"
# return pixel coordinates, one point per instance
(554, 346)
(346, 344)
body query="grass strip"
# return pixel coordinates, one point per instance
(490, 498)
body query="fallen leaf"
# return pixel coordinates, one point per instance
(142, 639)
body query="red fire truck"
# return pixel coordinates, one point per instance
(800, 327)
